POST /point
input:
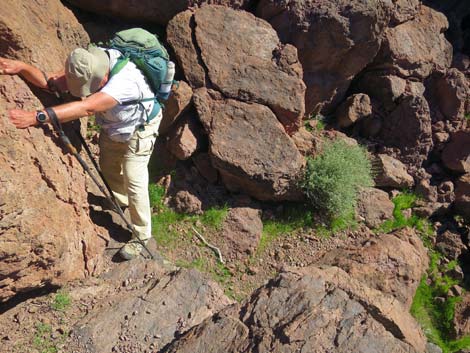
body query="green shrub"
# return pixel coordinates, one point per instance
(332, 179)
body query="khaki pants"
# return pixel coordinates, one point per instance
(124, 165)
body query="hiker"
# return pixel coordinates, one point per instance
(128, 132)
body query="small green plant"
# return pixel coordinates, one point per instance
(315, 123)
(332, 179)
(403, 202)
(214, 217)
(62, 301)
(43, 341)
(467, 116)
(156, 194)
(92, 126)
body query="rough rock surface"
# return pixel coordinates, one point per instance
(391, 173)
(143, 306)
(462, 196)
(374, 206)
(354, 108)
(335, 41)
(416, 48)
(241, 232)
(383, 88)
(456, 154)
(313, 309)
(462, 316)
(184, 138)
(414, 142)
(160, 11)
(250, 148)
(46, 235)
(177, 104)
(257, 68)
(451, 92)
(392, 263)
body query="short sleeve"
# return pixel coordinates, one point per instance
(122, 88)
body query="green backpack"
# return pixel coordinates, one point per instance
(148, 54)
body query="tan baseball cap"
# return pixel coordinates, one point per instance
(85, 70)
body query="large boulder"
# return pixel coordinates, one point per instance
(417, 47)
(142, 306)
(392, 263)
(391, 173)
(241, 232)
(160, 11)
(249, 147)
(408, 128)
(315, 309)
(451, 93)
(177, 104)
(46, 236)
(335, 40)
(374, 206)
(456, 154)
(240, 56)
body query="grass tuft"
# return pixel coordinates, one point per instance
(62, 301)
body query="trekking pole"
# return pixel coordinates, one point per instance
(66, 141)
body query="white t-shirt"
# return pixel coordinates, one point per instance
(129, 84)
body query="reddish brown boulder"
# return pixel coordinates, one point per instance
(391, 173)
(456, 154)
(46, 235)
(335, 40)
(385, 89)
(241, 232)
(451, 92)
(240, 56)
(417, 47)
(374, 207)
(392, 263)
(178, 103)
(249, 148)
(408, 128)
(356, 107)
(462, 316)
(184, 138)
(314, 309)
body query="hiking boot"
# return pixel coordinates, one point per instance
(132, 249)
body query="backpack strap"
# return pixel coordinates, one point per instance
(121, 62)
(155, 110)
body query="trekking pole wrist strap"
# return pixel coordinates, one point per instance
(54, 119)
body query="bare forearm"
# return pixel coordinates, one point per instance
(98, 102)
(33, 75)
(72, 111)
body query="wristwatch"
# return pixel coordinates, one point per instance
(41, 117)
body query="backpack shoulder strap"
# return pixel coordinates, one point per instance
(121, 62)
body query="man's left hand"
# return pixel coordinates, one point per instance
(22, 118)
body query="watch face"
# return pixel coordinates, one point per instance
(41, 117)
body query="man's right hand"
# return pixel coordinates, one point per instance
(10, 67)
